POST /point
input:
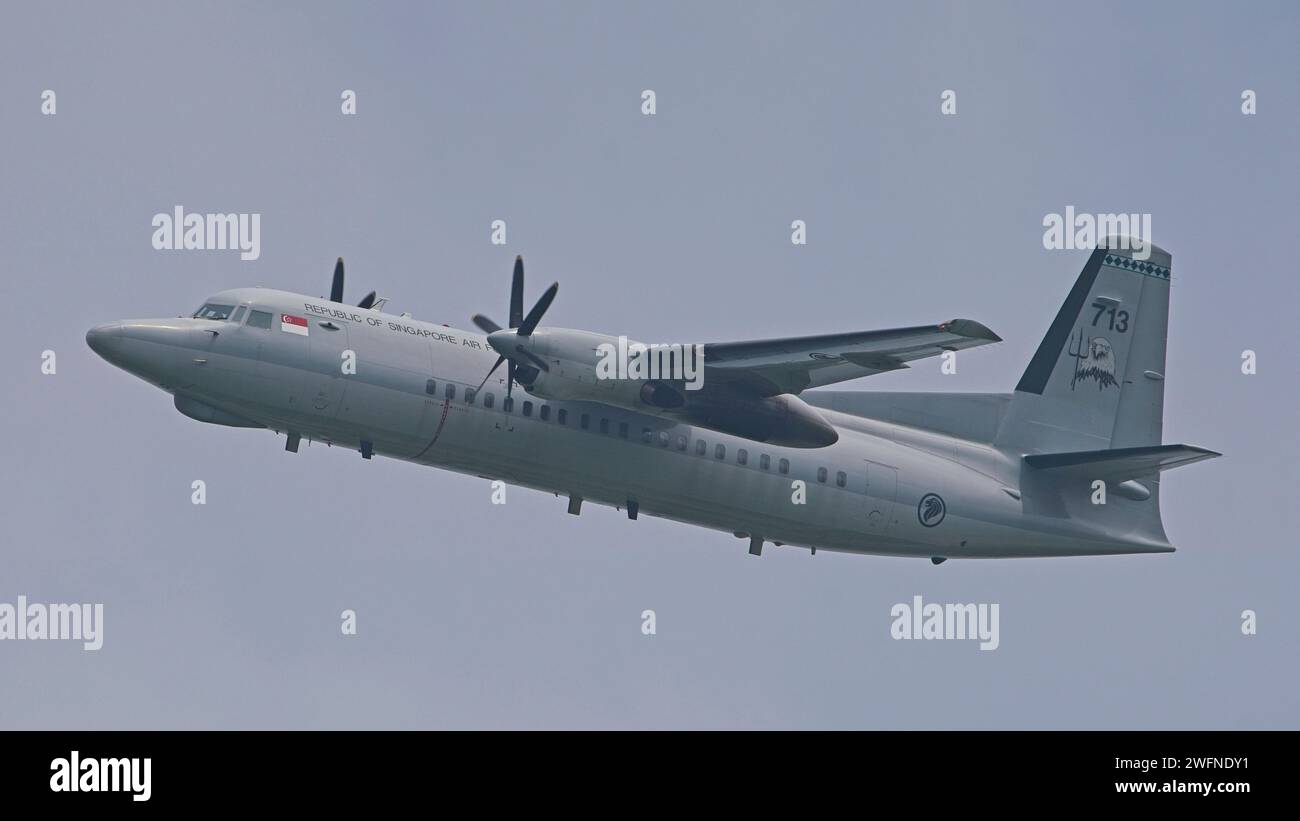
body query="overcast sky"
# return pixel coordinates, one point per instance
(667, 227)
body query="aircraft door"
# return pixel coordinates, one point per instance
(882, 493)
(328, 341)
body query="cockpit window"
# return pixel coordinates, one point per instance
(238, 315)
(211, 310)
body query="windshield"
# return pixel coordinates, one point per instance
(211, 310)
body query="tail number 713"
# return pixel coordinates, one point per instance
(1118, 319)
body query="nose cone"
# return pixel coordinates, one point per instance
(159, 351)
(106, 340)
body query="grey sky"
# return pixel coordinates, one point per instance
(666, 228)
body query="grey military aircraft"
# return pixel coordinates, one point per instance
(1068, 464)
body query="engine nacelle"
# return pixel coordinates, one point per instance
(784, 420)
(573, 357)
(659, 394)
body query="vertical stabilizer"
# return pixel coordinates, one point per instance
(1097, 379)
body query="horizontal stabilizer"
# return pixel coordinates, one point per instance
(1119, 463)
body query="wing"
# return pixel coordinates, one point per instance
(774, 366)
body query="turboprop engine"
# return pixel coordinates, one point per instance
(567, 364)
(573, 372)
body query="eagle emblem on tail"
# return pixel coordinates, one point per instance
(1094, 359)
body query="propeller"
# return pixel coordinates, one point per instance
(508, 343)
(336, 288)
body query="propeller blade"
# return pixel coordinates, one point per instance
(485, 325)
(367, 300)
(536, 360)
(500, 359)
(535, 315)
(336, 289)
(517, 294)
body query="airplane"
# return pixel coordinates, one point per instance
(1068, 464)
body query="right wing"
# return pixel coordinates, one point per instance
(768, 367)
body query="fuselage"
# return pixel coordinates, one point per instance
(411, 394)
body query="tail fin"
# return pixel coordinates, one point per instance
(1097, 379)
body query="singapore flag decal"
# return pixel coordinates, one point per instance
(293, 324)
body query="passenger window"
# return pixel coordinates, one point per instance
(528, 408)
(584, 421)
(765, 462)
(840, 479)
(681, 442)
(742, 457)
(430, 387)
(508, 404)
(259, 319)
(544, 412)
(563, 416)
(449, 391)
(646, 435)
(700, 447)
(821, 474)
(488, 400)
(604, 425)
(622, 430)
(720, 451)
(783, 465)
(238, 315)
(469, 396)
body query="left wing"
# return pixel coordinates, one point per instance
(769, 367)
